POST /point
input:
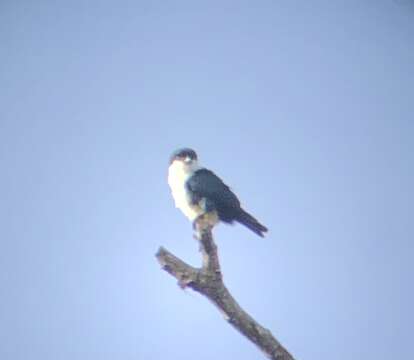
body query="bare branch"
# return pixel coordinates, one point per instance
(208, 281)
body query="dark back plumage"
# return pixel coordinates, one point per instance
(205, 184)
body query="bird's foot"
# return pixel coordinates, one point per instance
(205, 222)
(197, 226)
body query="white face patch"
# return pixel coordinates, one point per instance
(178, 173)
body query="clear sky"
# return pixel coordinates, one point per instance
(304, 108)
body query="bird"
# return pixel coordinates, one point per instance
(198, 191)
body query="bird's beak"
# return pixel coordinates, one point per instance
(187, 160)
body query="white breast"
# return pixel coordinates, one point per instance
(178, 174)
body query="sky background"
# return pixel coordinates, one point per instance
(304, 108)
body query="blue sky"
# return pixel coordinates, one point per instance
(304, 108)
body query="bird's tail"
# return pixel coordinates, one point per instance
(250, 222)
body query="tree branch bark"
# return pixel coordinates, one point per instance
(208, 281)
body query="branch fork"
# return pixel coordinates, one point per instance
(208, 281)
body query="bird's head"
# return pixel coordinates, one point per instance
(187, 157)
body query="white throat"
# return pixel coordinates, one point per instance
(178, 174)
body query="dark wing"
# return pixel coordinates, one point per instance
(205, 184)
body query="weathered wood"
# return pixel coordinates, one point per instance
(208, 281)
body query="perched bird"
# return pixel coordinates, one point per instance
(198, 191)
